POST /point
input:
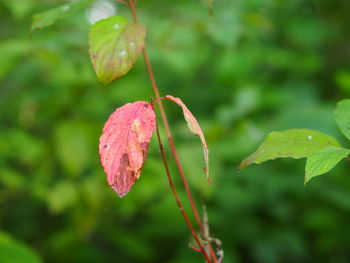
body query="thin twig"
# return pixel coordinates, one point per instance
(172, 186)
(167, 127)
(168, 131)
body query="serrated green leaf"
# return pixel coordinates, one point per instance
(49, 17)
(342, 116)
(114, 45)
(295, 143)
(321, 162)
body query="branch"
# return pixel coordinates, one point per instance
(179, 204)
(167, 126)
(168, 131)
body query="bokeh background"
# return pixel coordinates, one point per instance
(253, 67)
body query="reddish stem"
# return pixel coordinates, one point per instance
(167, 127)
(213, 254)
(172, 186)
(168, 131)
(211, 250)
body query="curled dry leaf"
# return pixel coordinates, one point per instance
(124, 144)
(194, 127)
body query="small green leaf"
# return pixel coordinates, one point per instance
(114, 45)
(49, 17)
(295, 143)
(13, 251)
(342, 116)
(321, 162)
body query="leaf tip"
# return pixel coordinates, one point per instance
(121, 195)
(208, 180)
(103, 81)
(194, 127)
(119, 190)
(242, 165)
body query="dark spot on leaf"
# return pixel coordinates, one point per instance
(123, 182)
(124, 162)
(144, 149)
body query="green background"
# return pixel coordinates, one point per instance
(253, 67)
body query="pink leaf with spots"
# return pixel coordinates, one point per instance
(124, 144)
(194, 127)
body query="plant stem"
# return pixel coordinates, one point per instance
(167, 126)
(169, 134)
(207, 246)
(172, 186)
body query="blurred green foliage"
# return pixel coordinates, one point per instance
(253, 67)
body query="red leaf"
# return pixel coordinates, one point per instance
(194, 127)
(124, 144)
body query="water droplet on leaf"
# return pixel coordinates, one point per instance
(65, 8)
(122, 54)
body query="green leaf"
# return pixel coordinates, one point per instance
(295, 143)
(49, 17)
(19, 8)
(12, 251)
(114, 45)
(342, 116)
(321, 162)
